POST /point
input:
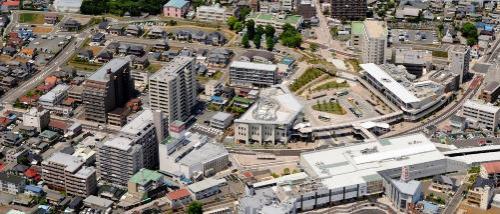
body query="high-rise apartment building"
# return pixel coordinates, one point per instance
(372, 36)
(287, 5)
(459, 57)
(108, 88)
(118, 159)
(173, 88)
(349, 9)
(67, 172)
(133, 148)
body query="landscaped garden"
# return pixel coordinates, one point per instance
(308, 76)
(329, 107)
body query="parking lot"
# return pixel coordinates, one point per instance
(425, 37)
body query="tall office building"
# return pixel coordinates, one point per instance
(173, 89)
(349, 9)
(108, 88)
(68, 173)
(371, 38)
(459, 57)
(118, 159)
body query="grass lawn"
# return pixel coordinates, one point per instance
(355, 64)
(203, 79)
(330, 85)
(442, 54)
(84, 66)
(308, 76)
(330, 107)
(153, 67)
(31, 18)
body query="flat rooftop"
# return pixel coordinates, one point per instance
(486, 107)
(71, 162)
(120, 143)
(375, 29)
(170, 70)
(361, 162)
(276, 105)
(253, 66)
(139, 123)
(112, 66)
(388, 82)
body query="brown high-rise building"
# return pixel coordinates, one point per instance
(349, 9)
(108, 88)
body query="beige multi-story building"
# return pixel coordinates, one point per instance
(118, 159)
(173, 88)
(486, 114)
(213, 13)
(481, 193)
(373, 41)
(251, 74)
(68, 173)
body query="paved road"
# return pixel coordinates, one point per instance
(452, 205)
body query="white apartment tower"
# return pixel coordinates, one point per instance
(287, 5)
(173, 88)
(459, 58)
(374, 42)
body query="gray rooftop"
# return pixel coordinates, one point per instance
(172, 68)
(71, 162)
(204, 153)
(98, 201)
(221, 116)
(206, 184)
(113, 66)
(409, 188)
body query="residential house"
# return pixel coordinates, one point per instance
(179, 198)
(140, 62)
(199, 36)
(86, 55)
(98, 38)
(156, 33)
(183, 35)
(71, 25)
(216, 39)
(104, 57)
(443, 183)
(161, 45)
(116, 30)
(136, 50)
(12, 184)
(134, 30)
(28, 53)
(491, 170)
(219, 57)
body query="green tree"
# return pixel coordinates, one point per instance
(231, 21)
(269, 30)
(290, 36)
(286, 171)
(244, 11)
(250, 24)
(195, 207)
(245, 41)
(314, 47)
(469, 31)
(269, 43)
(256, 40)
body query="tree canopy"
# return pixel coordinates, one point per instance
(195, 207)
(120, 7)
(290, 36)
(469, 31)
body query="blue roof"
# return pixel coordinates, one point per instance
(176, 3)
(32, 188)
(430, 207)
(287, 61)
(217, 99)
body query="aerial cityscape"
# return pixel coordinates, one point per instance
(250, 106)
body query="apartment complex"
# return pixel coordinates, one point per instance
(173, 88)
(145, 181)
(213, 13)
(11, 183)
(373, 41)
(349, 9)
(481, 193)
(287, 5)
(485, 114)
(459, 57)
(416, 99)
(270, 119)
(55, 96)
(118, 159)
(108, 88)
(147, 129)
(250, 74)
(68, 173)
